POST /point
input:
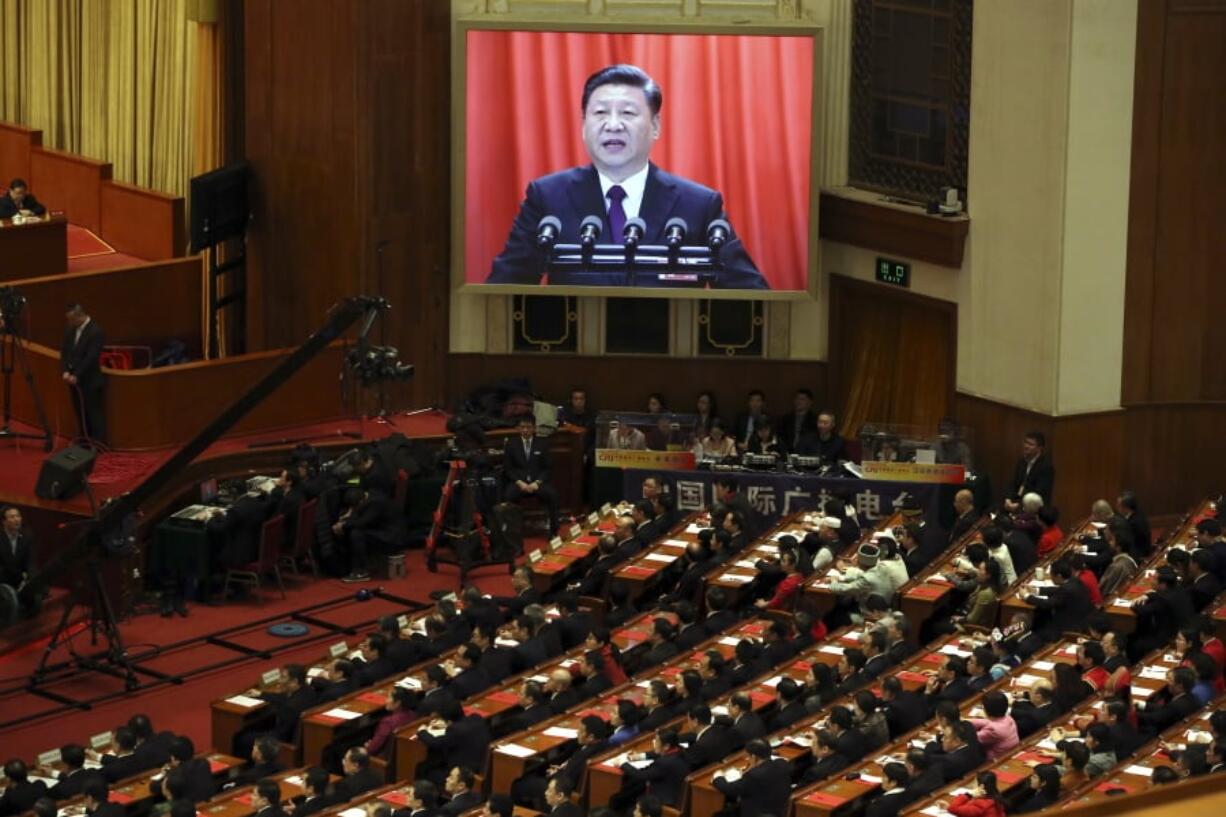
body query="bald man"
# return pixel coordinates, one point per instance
(964, 506)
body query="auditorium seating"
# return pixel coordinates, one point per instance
(512, 754)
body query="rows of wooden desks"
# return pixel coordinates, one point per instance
(817, 594)
(512, 756)
(323, 724)
(1033, 581)
(1119, 607)
(395, 796)
(572, 554)
(134, 793)
(925, 594)
(1136, 774)
(1012, 771)
(862, 781)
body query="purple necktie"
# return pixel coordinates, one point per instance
(617, 213)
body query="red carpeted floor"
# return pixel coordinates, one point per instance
(185, 709)
(86, 252)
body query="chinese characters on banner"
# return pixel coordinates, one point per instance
(775, 495)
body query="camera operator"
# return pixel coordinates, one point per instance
(16, 561)
(371, 521)
(79, 362)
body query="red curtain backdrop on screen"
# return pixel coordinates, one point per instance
(736, 117)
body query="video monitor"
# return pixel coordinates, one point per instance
(636, 162)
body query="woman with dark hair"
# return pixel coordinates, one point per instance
(984, 799)
(824, 688)
(716, 444)
(985, 598)
(656, 404)
(1043, 787)
(1069, 689)
(706, 410)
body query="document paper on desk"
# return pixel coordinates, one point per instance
(340, 713)
(515, 750)
(562, 732)
(244, 701)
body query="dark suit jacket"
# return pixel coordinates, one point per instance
(528, 654)
(960, 762)
(523, 720)
(907, 711)
(888, 805)
(691, 635)
(788, 715)
(199, 777)
(566, 810)
(1204, 590)
(1040, 479)
(575, 767)
(574, 629)
(1031, 718)
(469, 683)
(461, 803)
(747, 727)
(665, 778)
(786, 430)
(962, 525)
(1166, 715)
(714, 743)
(717, 622)
(8, 208)
(117, 768)
(81, 357)
(1070, 606)
(74, 783)
(106, 810)
(496, 661)
(517, 465)
(926, 783)
(352, 785)
(14, 565)
(305, 808)
(573, 194)
(465, 742)
(20, 798)
(764, 789)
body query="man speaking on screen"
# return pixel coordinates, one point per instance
(621, 123)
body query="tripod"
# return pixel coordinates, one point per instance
(115, 660)
(13, 355)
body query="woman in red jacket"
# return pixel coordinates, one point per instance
(984, 799)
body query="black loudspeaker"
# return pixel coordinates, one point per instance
(63, 473)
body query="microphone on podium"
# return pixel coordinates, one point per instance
(589, 231)
(633, 233)
(547, 231)
(718, 232)
(674, 231)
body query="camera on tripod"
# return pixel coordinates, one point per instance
(12, 302)
(377, 364)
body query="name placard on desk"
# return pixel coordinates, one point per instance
(631, 458)
(914, 472)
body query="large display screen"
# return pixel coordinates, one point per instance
(638, 162)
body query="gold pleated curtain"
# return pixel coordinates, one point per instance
(132, 82)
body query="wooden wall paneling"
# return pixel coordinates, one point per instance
(142, 222)
(1175, 453)
(617, 382)
(1178, 176)
(33, 249)
(404, 161)
(16, 143)
(301, 136)
(156, 408)
(71, 183)
(856, 304)
(147, 304)
(891, 228)
(1142, 201)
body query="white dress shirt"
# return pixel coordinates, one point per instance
(634, 187)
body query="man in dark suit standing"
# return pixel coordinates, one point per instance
(621, 123)
(79, 356)
(525, 469)
(1033, 473)
(801, 423)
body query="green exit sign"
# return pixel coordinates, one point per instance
(893, 272)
